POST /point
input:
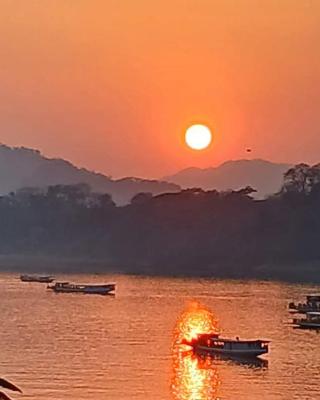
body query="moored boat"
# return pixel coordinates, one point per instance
(37, 278)
(66, 287)
(312, 304)
(311, 321)
(214, 344)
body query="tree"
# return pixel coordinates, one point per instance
(141, 198)
(70, 193)
(298, 179)
(105, 200)
(247, 191)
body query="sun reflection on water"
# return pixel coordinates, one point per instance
(194, 321)
(193, 378)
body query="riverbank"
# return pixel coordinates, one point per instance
(296, 273)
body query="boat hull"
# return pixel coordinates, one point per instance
(40, 279)
(307, 325)
(249, 353)
(303, 310)
(84, 289)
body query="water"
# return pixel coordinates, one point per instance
(60, 346)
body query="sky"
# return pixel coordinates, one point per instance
(113, 85)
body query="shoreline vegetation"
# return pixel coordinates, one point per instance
(303, 273)
(196, 233)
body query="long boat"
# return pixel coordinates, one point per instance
(312, 304)
(212, 343)
(311, 321)
(66, 287)
(37, 278)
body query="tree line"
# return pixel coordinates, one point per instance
(193, 232)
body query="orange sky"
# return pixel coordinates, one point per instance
(112, 85)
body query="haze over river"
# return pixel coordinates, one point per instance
(73, 346)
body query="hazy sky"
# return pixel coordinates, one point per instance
(113, 84)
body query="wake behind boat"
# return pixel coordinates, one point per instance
(36, 278)
(66, 287)
(213, 344)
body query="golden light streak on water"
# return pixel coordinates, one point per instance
(193, 378)
(196, 319)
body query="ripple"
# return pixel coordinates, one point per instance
(87, 347)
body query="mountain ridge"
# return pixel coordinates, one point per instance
(263, 175)
(24, 167)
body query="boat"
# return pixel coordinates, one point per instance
(311, 321)
(312, 304)
(36, 278)
(213, 344)
(66, 287)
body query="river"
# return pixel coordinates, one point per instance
(71, 346)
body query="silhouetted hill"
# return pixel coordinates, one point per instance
(23, 167)
(192, 232)
(266, 177)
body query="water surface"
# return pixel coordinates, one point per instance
(74, 347)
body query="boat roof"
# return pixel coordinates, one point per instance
(236, 340)
(314, 313)
(86, 284)
(226, 340)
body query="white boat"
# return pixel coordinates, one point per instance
(66, 287)
(311, 321)
(214, 344)
(36, 278)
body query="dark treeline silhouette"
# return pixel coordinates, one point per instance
(193, 232)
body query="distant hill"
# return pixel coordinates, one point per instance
(23, 167)
(266, 177)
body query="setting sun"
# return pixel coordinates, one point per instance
(194, 321)
(198, 137)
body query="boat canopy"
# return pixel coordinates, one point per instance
(313, 297)
(243, 341)
(216, 336)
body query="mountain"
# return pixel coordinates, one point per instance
(266, 177)
(22, 167)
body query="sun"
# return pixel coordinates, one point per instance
(198, 137)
